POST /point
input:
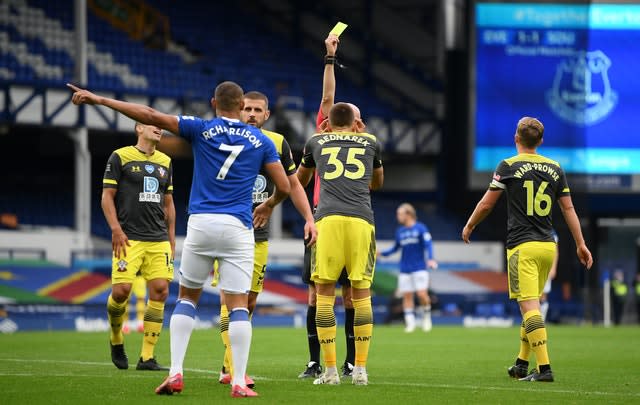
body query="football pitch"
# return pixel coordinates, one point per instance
(448, 365)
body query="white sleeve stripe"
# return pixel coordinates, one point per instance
(496, 183)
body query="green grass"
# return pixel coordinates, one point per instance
(448, 365)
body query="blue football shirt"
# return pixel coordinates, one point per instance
(227, 156)
(413, 240)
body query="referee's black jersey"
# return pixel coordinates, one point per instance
(142, 182)
(533, 183)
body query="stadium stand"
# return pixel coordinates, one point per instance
(38, 42)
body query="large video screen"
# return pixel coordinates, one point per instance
(575, 67)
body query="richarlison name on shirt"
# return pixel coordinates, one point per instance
(536, 166)
(243, 132)
(322, 139)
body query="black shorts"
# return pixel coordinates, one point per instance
(306, 270)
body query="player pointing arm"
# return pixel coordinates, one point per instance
(228, 156)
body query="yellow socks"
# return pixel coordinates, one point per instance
(362, 328)
(537, 336)
(326, 326)
(115, 313)
(153, 317)
(525, 347)
(224, 334)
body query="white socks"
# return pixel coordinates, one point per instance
(240, 338)
(409, 320)
(180, 327)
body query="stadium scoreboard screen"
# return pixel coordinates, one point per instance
(573, 66)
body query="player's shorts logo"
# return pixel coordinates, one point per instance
(122, 265)
(581, 92)
(149, 168)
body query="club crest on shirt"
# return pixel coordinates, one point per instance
(161, 171)
(122, 265)
(149, 168)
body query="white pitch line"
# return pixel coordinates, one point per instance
(91, 363)
(520, 388)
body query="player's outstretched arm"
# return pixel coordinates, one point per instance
(137, 112)
(119, 240)
(275, 171)
(391, 250)
(571, 218)
(482, 210)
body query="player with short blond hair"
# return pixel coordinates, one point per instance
(413, 239)
(532, 183)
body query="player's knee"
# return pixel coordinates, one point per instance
(360, 285)
(359, 293)
(527, 305)
(311, 296)
(325, 287)
(159, 295)
(158, 291)
(120, 292)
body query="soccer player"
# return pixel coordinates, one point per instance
(228, 155)
(533, 183)
(137, 202)
(256, 112)
(313, 368)
(414, 238)
(348, 165)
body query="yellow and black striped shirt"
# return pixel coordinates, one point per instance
(142, 182)
(533, 184)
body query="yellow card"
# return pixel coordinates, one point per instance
(338, 29)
